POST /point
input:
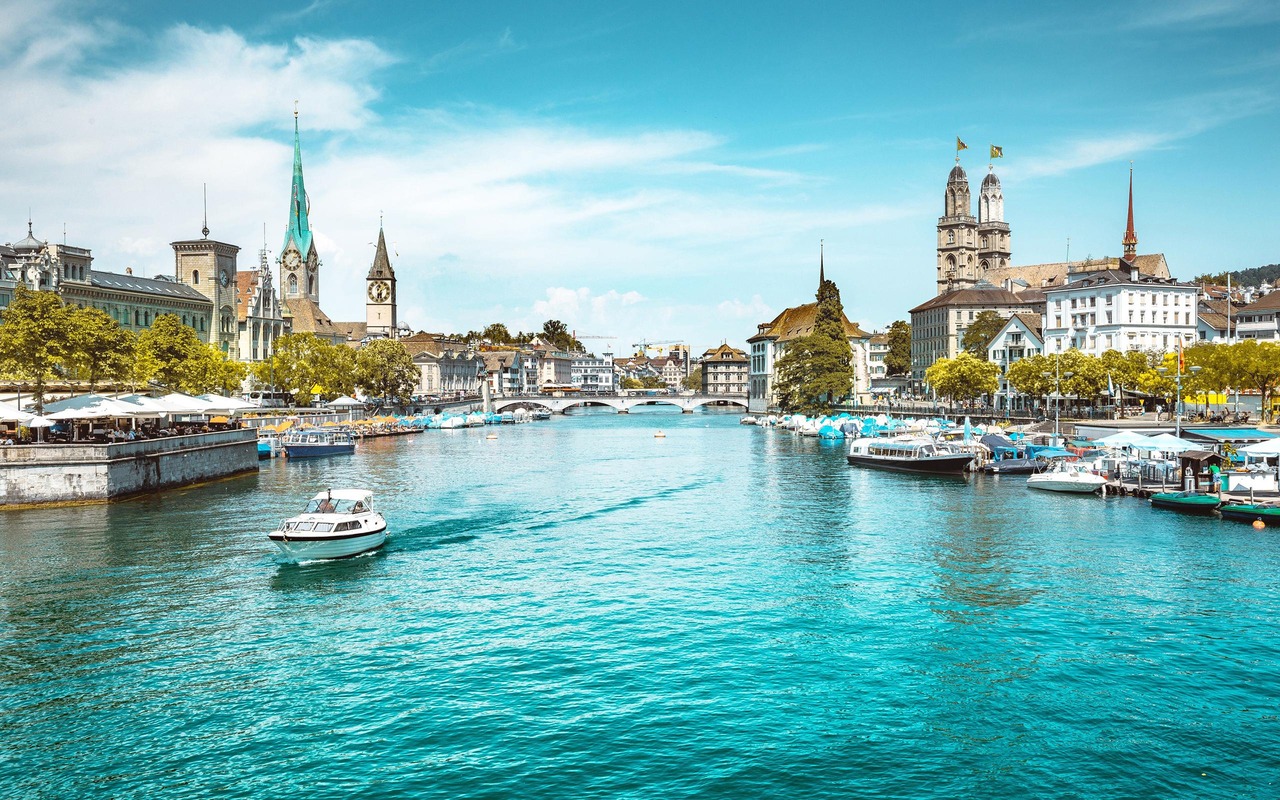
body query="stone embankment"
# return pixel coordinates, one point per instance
(78, 473)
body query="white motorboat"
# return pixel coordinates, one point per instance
(1067, 476)
(337, 523)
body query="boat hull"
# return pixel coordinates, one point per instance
(296, 451)
(928, 465)
(1245, 512)
(320, 548)
(1197, 504)
(1066, 487)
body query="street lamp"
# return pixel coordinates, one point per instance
(1177, 382)
(1057, 391)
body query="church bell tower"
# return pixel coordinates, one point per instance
(299, 261)
(380, 293)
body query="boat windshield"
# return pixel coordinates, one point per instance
(325, 505)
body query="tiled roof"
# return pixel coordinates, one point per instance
(246, 285)
(355, 331)
(307, 317)
(724, 353)
(1040, 275)
(1216, 321)
(1032, 322)
(1115, 277)
(156, 286)
(794, 323)
(989, 296)
(1268, 302)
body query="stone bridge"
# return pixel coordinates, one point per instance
(622, 403)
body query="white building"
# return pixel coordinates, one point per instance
(1258, 320)
(770, 343)
(1018, 339)
(724, 371)
(1119, 310)
(594, 375)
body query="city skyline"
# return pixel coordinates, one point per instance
(642, 171)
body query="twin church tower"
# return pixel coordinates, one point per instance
(971, 249)
(300, 272)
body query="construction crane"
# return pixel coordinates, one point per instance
(644, 346)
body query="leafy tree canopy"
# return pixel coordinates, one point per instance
(816, 372)
(694, 379)
(980, 332)
(964, 377)
(898, 360)
(34, 337)
(384, 369)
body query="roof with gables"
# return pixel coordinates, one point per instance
(794, 323)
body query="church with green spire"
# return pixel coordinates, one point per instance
(300, 262)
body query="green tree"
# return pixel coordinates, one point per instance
(497, 333)
(980, 333)
(1255, 365)
(693, 380)
(898, 360)
(173, 348)
(652, 382)
(964, 377)
(212, 370)
(304, 361)
(632, 383)
(384, 369)
(99, 349)
(34, 338)
(816, 372)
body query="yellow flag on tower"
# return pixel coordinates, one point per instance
(960, 145)
(997, 151)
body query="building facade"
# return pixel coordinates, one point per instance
(1019, 338)
(725, 371)
(1114, 310)
(380, 294)
(938, 325)
(594, 375)
(971, 249)
(209, 267)
(132, 301)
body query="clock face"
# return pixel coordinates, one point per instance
(292, 259)
(379, 291)
(224, 278)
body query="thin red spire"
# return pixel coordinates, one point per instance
(1130, 236)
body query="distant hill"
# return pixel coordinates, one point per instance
(1245, 277)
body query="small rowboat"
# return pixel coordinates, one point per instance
(1268, 513)
(1186, 502)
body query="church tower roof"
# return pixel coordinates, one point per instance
(1130, 236)
(299, 229)
(957, 175)
(381, 262)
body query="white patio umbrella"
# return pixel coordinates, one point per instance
(1126, 439)
(11, 413)
(179, 403)
(1168, 443)
(1263, 449)
(89, 406)
(226, 405)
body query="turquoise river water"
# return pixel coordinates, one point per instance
(578, 609)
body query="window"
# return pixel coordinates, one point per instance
(195, 277)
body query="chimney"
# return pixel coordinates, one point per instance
(1133, 272)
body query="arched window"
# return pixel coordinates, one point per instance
(195, 277)
(951, 237)
(311, 284)
(293, 284)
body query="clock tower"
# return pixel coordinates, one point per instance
(380, 293)
(209, 267)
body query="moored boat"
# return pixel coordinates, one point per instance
(909, 455)
(268, 444)
(1068, 477)
(1185, 502)
(317, 443)
(1266, 512)
(336, 523)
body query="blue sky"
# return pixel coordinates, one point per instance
(645, 170)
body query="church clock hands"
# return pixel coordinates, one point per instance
(379, 291)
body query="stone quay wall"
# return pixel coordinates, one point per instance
(70, 473)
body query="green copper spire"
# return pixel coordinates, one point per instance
(299, 230)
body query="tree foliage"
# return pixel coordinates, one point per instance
(99, 349)
(964, 377)
(34, 337)
(496, 333)
(384, 369)
(897, 361)
(816, 372)
(694, 379)
(632, 383)
(303, 361)
(980, 333)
